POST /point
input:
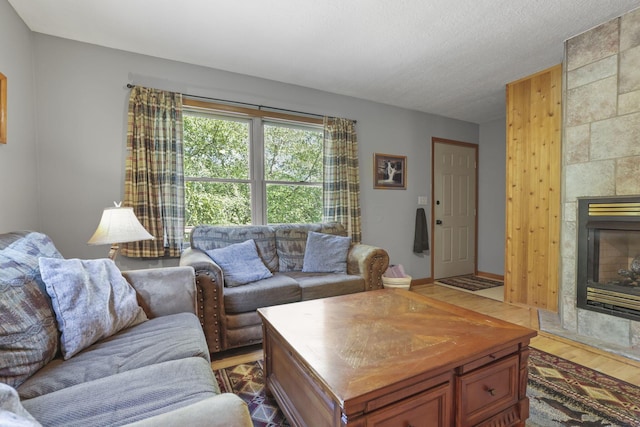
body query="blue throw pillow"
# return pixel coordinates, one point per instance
(91, 299)
(240, 263)
(326, 253)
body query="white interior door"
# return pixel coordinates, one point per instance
(454, 208)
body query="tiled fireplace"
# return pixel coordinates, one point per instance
(601, 159)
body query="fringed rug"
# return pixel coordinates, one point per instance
(470, 282)
(561, 393)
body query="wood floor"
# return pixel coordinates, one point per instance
(610, 364)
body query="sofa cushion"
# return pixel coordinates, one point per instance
(326, 253)
(207, 237)
(28, 333)
(161, 339)
(91, 300)
(323, 285)
(291, 242)
(240, 263)
(278, 289)
(128, 396)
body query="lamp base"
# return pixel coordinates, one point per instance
(113, 252)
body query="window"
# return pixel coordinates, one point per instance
(250, 169)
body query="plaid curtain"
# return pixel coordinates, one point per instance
(341, 190)
(154, 181)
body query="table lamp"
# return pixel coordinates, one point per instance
(118, 225)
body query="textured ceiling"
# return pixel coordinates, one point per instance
(446, 57)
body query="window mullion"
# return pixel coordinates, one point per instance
(258, 187)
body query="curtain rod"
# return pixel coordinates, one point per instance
(259, 107)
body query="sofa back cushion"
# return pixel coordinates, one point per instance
(28, 330)
(291, 242)
(208, 237)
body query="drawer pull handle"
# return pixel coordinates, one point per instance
(491, 391)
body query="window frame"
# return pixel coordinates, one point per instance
(257, 118)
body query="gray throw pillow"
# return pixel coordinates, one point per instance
(240, 263)
(91, 299)
(326, 253)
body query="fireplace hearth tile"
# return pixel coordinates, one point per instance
(628, 171)
(614, 330)
(576, 144)
(593, 45)
(630, 30)
(570, 314)
(615, 138)
(568, 238)
(550, 323)
(630, 70)
(635, 335)
(570, 212)
(629, 102)
(590, 179)
(592, 102)
(569, 278)
(590, 73)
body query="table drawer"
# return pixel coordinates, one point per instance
(487, 390)
(431, 408)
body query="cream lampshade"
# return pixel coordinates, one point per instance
(118, 225)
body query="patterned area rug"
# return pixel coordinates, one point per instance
(471, 282)
(247, 381)
(561, 393)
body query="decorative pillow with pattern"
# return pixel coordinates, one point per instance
(28, 332)
(91, 299)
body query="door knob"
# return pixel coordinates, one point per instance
(438, 221)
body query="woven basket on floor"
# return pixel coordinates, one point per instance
(396, 282)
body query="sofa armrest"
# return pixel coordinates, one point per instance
(210, 296)
(370, 262)
(223, 410)
(163, 291)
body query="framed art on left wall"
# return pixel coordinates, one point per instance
(3, 109)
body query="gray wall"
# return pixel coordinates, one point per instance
(18, 158)
(491, 196)
(82, 102)
(79, 123)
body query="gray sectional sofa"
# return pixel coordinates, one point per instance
(227, 310)
(154, 371)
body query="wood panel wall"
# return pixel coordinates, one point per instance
(534, 159)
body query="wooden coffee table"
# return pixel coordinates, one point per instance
(393, 357)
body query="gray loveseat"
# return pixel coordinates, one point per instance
(155, 373)
(228, 314)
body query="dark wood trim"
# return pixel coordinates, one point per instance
(251, 112)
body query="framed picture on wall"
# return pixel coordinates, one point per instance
(389, 172)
